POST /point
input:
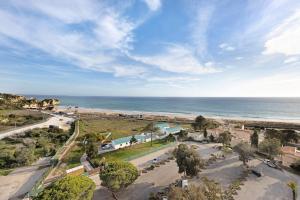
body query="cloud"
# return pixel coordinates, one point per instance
(153, 4)
(88, 34)
(177, 59)
(201, 15)
(239, 58)
(226, 47)
(285, 38)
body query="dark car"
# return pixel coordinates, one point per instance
(258, 174)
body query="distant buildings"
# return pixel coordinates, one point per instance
(166, 129)
(125, 141)
(289, 155)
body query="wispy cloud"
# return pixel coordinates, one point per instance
(153, 4)
(285, 38)
(226, 47)
(177, 59)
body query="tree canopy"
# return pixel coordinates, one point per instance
(270, 147)
(200, 123)
(133, 140)
(69, 187)
(284, 136)
(188, 160)
(208, 190)
(118, 174)
(254, 139)
(244, 150)
(225, 138)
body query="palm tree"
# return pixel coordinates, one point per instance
(293, 186)
(151, 128)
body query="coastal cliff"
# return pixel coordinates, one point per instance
(8, 101)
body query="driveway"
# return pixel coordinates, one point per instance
(272, 185)
(56, 120)
(20, 181)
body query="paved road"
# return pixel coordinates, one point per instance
(20, 181)
(271, 186)
(153, 181)
(56, 120)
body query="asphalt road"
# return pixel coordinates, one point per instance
(271, 186)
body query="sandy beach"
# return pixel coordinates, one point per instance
(173, 115)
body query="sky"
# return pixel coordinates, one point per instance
(194, 48)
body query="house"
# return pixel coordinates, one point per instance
(125, 141)
(289, 155)
(166, 129)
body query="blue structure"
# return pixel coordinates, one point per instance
(166, 129)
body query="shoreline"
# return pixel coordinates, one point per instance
(175, 115)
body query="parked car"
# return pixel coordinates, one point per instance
(155, 160)
(257, 173)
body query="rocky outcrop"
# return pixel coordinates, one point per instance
(17, 101)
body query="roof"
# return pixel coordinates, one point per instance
(290, 150)
(162, 125)
(127, 139)
(173, 129)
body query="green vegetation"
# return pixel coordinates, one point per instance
(72, 158)
(118, 127)
(203, 123)
(208, 190)
(188, 160)
(225, 138)
(293, 186)
(69, 187)
(254, 139)
(271, 147)
(15, 118)
(23, 149)
(245, 152)
(131, 152)
(118, 175)
(284, 136)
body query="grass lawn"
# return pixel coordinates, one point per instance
(118, 127)
(135, 151)
(72, 159)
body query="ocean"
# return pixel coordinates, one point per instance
(231, 107)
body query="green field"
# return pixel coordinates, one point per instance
(134, 151)
(118, 127)
(11, 118)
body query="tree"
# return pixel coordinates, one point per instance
(69, 187)
(24, 156)
(225, 138)
(208, 190)
(205, 133)
(170, 138)
(270, 146)
(182, 134)
(293, 186)
(117, 175)
(290, 136)
(200, 123)
(151, 128)
(245, 152)
(188, 160)
(254, 139)
(91, 150)
(133, 140)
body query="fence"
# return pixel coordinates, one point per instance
(39, 185)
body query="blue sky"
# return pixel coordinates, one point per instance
(150, 47)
